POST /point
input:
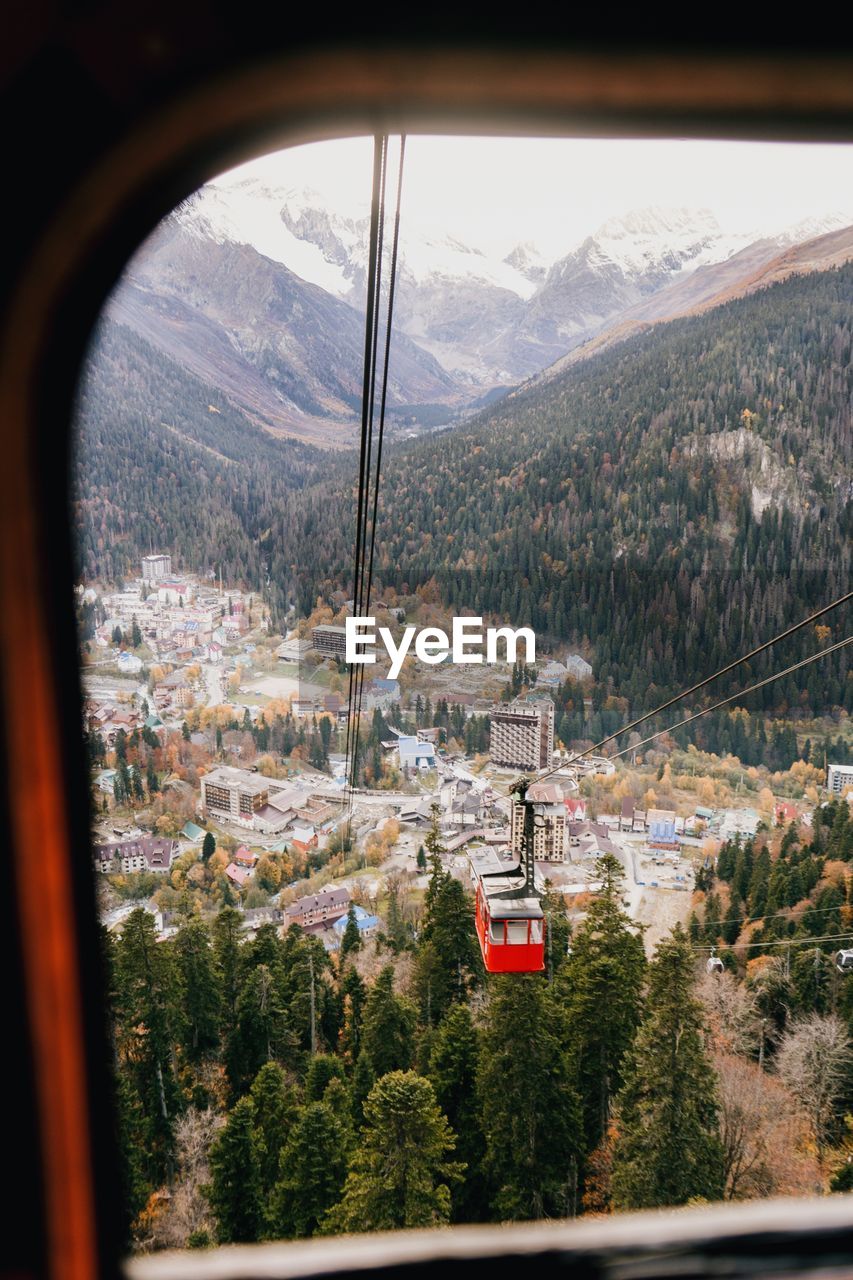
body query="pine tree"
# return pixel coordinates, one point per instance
(136, 787)
(226, 930)
(388, 1030)
(208, 846)
(152, 782)
(668, 1148)
(363, 1080)
(448, 964)
(353, 996)
(131, 1137)
(400, 1170)
(732, 921)
(199, 990)
(600, 988)
(276, 1107)
(558, 931)
(351, 940)
(313, 1169)
(743, 871)
(146, 1017)
(235, 1192)
(322, 1070)
(261, 1029)
(397, 933)
(453, 1073)
(312, 1005)
(530, 1110)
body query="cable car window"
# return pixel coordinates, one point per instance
(552, 434)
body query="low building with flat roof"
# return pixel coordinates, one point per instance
(329, 640)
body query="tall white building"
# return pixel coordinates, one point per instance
(839, 776)
(522, 734)
(154, 568)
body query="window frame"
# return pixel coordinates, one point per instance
(121, 180)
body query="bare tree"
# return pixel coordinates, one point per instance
(732, 1013)
(189, 1210)
(814, 1060)
(765, 1134)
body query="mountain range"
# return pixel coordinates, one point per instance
(259, 293)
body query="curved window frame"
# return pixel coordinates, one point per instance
(135, 172)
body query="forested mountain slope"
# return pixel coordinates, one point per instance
(667, 502)
(163, 461)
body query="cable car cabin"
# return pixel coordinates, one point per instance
(511, 929)
(714, 965)
(844, 961)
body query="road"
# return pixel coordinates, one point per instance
(211, 673)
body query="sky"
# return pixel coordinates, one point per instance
(496, 192)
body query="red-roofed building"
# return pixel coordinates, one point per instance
(245, 858)
(237, 875)
(786, 811)
(303, 846)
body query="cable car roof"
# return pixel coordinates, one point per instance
(487, 861)
(515, 908)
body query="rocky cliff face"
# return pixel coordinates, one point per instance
(271, 341)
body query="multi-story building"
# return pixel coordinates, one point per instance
(555, 812)
(149, 853)
(154, 568)
(318, 908)
(839, 776)
(233, 794)
(522, 734)
(329, 640)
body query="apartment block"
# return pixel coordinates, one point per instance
(839, 776)
(550, 832)
(233, 795)
(328, 640)
(522, 734)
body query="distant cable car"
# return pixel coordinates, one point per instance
(844, 961)
(509, 917)
(714, 964)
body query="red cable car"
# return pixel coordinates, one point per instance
(509, 917)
